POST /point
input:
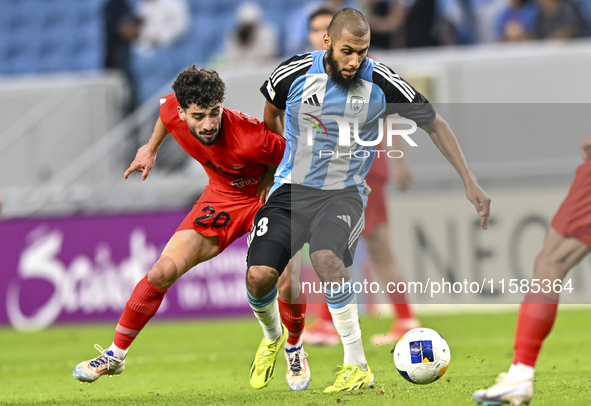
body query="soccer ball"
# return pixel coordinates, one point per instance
(421, 356)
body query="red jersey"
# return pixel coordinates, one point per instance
(378, 172)
(238, 160)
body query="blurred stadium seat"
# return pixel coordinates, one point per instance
(66, 36)
(42, 37)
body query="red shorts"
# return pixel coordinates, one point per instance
(375, 212)
(573, 218)
(223, 216)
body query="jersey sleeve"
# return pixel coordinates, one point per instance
(402, 98)
(169, 113)
(271, 147)
(276, 88)
(260, 144)
(267, 147)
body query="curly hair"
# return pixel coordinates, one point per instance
(200, 86)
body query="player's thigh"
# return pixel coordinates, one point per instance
(378, 243)
(376, 212)
(270, 239)
(559, 254)
(275, 236)
(338, 225)
(289, 281)
(187, 248)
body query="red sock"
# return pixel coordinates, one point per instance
(401, 306)
(293, 315)
(324, 313)
(534, 322)
(141, 306)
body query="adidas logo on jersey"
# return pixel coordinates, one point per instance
(346, 218)
(312, 100)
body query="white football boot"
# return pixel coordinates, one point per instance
(298, 372)
(105, 364)
(505, 392)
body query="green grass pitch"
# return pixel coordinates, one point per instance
(207, 362)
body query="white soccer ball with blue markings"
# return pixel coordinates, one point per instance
(421, 356)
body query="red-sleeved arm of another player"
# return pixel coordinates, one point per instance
(169, 113)
(271, 148)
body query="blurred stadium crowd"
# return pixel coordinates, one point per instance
(152, 40)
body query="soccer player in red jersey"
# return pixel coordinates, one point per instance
(376, 233)
(565, 244)
(235, 150)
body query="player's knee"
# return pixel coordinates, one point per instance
(548, 265)
(324, 258)
(329, 266)
(380, 253)
(284, 287)
(163, 274)
(260, 279)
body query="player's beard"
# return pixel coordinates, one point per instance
(207, 141)
(336, 76)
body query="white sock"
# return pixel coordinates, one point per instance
(289, 346)
(520, 372)
(117, 352)
(346, 321)
(269, 319)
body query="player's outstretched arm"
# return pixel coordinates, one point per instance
(446, 141)
(146, 155)
(585, 147)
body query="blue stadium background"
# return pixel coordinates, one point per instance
(39, 36)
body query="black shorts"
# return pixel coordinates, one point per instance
(294, 215)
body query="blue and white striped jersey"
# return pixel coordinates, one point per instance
(315, 110)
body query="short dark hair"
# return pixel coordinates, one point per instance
(322, 11)
(348, 19)
(204, 87)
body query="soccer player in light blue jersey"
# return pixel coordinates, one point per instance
(319, 193)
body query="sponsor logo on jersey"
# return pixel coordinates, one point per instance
(313, 100)
(244, 183)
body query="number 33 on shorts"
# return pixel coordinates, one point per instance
(259, 229)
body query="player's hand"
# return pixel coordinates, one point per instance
(266, 183)
(585, 147)
(400, 172)
(143, 162)
(481, 201)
